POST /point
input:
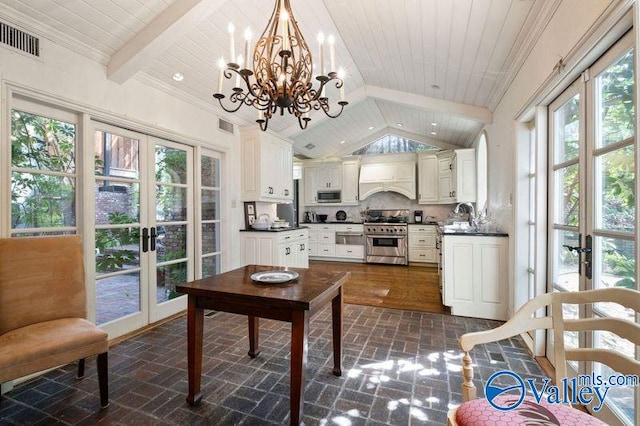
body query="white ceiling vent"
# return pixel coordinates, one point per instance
(309, 146)
(19, 40)
(225, 126)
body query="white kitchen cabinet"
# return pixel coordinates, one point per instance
(350, 175)
(456, 176)
(322, 241)
(267, 167)
(465, 175)
(321, 177)
(283, 248)
(428, 179)
(446, 182)
(475, 275)
(422, 243)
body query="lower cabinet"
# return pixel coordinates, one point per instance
(422, 243)
(337, 241)
(475, 275)
(283, 248)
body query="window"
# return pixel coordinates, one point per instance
(43, 172)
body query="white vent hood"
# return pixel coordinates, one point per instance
(397, 176)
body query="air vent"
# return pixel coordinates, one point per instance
(309, 146)
(19, 40)
(225, 126)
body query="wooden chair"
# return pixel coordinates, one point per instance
(43, 309)
(524, 321)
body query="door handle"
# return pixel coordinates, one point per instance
(145, 240)
(153, 239)
(579, 249)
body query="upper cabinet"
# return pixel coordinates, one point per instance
(267, 167)
(334, 177)
(447, 177)
(428, 179)
(350, 175)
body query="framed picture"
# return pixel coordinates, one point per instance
(249, 214)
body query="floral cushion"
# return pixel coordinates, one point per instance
(479, 412)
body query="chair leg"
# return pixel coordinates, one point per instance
(80, 368)
(103, 379)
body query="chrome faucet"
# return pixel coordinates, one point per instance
(470, 209)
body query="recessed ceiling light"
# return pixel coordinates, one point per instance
(342, 141)
(433, 133)
(435, 86)
(178, 77)
(370, 127)
(434, 123)
(399, 124)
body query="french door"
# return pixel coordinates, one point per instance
(143, 218)
(592, 231)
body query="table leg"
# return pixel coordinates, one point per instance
(336, 320)
(299, 349)
(254, 326)
(195, 319)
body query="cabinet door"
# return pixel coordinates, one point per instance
(310, 186)
(446, 190)
(428, 179)
(465, 176)
(350, 182)
(269, 154)
(334, 176)
(285, 171)
(285, 255)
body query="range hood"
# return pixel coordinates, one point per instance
(398, 177)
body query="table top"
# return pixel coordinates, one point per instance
(302, 293)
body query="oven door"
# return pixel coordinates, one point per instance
(386, 246)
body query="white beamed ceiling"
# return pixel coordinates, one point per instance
(394, 52)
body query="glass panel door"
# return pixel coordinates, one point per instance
(566, 138)
(592, 186)
(120, 205)
(209, 247)
(171, 233)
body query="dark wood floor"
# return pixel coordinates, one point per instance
(412, 288)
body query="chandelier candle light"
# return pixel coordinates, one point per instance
(282, 70)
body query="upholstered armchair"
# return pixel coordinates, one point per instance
(43, 309)
(479, 411)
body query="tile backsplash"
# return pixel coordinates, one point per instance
(385, 201)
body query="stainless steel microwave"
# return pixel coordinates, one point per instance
(329, 197)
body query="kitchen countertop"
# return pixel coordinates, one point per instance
(473, 232)
(292, 228)
(334, 222)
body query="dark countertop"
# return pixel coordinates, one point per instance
(424, 223)
(334, 222)
(473, 233)
(275, 230)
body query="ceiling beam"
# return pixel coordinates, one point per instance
(175, 21)
(469, 112)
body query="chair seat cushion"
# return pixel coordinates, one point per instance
(48, 344)
(479, 412)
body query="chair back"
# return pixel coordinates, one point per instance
(546, 312)
(41, 279)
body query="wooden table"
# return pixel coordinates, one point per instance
(294, 302)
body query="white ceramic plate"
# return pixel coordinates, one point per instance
(274, 277)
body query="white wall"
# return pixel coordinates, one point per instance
(67, 78)
(570, 22)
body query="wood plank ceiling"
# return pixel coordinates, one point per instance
(409, 63)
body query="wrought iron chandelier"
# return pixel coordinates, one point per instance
(282, 70)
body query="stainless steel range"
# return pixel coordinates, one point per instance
(386, 236)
